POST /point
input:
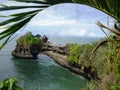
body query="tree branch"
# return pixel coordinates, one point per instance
(112, 30)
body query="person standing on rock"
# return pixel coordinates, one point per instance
(45, 39)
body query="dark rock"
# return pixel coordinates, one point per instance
(21, 52)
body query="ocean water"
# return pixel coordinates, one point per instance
(43, 73)
(57, 40)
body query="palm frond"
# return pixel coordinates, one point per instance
(18, 17)
(14, 28)
(21, 7)
(110, 7)
(32, 1)
(48, 2)
(5, 42)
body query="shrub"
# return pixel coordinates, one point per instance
(9, 84)
(80, 54)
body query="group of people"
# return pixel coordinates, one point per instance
(44, 38)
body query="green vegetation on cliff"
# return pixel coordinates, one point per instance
(28, 40)
(80, 54)
(105, 61)
(28, 46)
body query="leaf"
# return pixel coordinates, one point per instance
(17, 26)
(18, 17)
(24, 13)
(20, 7)
(14, 28)
(32, 1)
(110, 7)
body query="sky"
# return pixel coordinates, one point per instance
(66, 20)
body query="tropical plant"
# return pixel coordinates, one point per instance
(18, 20)
(9, 84)
(79, 54)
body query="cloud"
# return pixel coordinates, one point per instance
(73, 32)
(65, 26)
(54, 22)
(49, 19)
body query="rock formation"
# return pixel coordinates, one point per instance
(28, 46)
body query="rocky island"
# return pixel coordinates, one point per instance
(28, 46)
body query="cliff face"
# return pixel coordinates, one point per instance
(28, 53)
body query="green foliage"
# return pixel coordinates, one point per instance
(9, 84)
(116, 87)
(74, 54)
(111, 7)
(107, 63)
(29, 40)
(80, 54)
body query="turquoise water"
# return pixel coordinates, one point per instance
(40, 74)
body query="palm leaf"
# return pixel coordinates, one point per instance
(110, 7)
(14, 28)
(5, 42)
(32, 1)
(18, 17)
(20, 7)
(26, 13)
(48, 2)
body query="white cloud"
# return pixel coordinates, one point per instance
(54, 22)
(73, 32)
(48, 19)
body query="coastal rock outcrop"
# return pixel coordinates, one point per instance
(28, 46)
